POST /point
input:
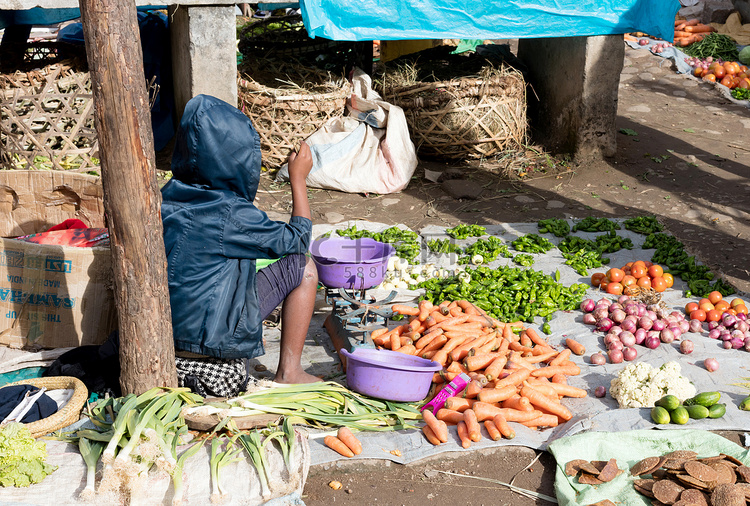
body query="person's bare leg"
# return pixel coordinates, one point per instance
(296, 313)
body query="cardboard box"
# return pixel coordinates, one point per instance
(31, 201)
(52, 296)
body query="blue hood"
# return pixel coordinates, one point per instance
(217, 147)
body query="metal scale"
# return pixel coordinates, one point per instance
(354, 315)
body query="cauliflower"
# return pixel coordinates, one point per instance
(640, 385)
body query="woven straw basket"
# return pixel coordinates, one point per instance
(68, 414)
(470, 117)
(285, 116)
(50, 113)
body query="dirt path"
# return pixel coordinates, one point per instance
(686, 161)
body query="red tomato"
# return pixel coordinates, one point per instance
(698, 314)
(644, 282)
(727, 81)
(719, 72)
(737, 301)
(741, 308)
(628, 280)
(615, 275)
(722, 306)
(658, 283)
(638, 271)
(655, 271)
(698, 72)
(714, 297)
(596, 278)
(615, 288)
(713, 315)
(707, 306)
(603, 285)
(690, 307)
(669, 279)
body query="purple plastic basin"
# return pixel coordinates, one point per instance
(389, 375)
(354, 264)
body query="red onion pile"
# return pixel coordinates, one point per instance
(628, 322)
(733, 330)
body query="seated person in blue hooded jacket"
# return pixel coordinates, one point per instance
(223, 280)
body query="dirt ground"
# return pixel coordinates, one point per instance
(685, 159)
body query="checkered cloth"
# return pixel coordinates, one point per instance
(212, 377)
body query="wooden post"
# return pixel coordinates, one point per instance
(132, 201)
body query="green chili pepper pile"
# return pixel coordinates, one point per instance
(524, 260)
(643, 225)
(715, 45)
(573, 244)
(559, 227)
(584, 259)
(489, 248)
(465, 231)
(532, 243)
(611, 242)
(406, 242)
(508, 293)
(671, 253)
(591, 224)
(443, 246)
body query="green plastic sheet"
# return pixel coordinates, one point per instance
(628, 448)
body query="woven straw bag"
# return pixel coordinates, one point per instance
(286, 115)
(68, 414)
(470, 117)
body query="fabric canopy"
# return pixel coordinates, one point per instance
(463, 19)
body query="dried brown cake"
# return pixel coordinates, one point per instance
(645, 466)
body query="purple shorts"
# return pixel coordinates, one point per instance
(277, 280)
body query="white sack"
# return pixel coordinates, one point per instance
(369, 151)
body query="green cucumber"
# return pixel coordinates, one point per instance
(660, 415)
(668, 402)
(679, 415)
(697, 412)
(706, 399)
(717, 410)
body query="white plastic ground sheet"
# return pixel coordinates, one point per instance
(407, 446)
(589, 413)
(239, 480)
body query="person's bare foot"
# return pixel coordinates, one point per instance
(295, 377)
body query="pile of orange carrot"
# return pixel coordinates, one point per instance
(517, 376)
(689, 31)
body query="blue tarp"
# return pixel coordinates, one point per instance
(464, 19)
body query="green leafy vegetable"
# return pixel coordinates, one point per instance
(22, 458)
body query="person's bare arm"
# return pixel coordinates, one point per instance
(300, 164)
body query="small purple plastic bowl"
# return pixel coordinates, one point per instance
(389, 375)
(354, 264)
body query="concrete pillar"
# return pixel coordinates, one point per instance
(204, 52)
(573, 100)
